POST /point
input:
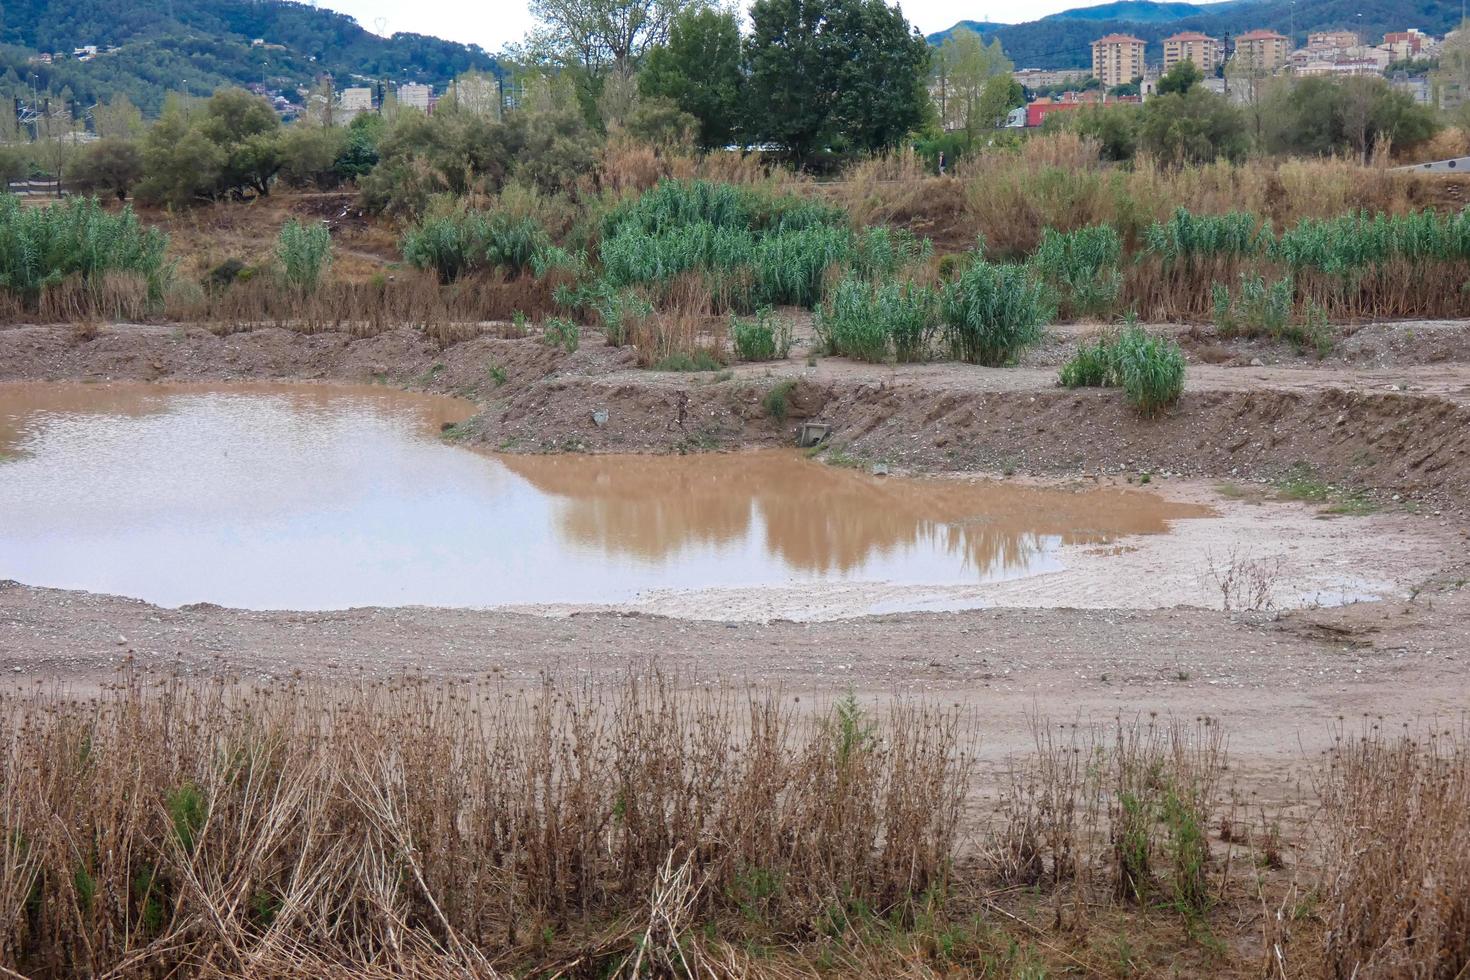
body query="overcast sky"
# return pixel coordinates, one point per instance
(494, 23)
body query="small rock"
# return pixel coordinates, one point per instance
(599, 417)
(1257, 362)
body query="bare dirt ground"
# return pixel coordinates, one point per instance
(1385, 417)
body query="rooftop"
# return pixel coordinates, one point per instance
(1189, 36)
(1119, 39)
(1259, 35)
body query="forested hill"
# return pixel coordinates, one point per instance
(165, 44)
(1064, 40)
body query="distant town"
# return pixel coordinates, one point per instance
(1233, 66)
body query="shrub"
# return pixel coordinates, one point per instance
(777, 400)
(1082, 266)
(1151, 369)
(565, 334)
(39, 247)
(765, 337)
(454, 245)
(1094, 365)
(869, 322)
(305, 253)
(993, 312)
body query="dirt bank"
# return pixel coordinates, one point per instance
(1381, 420)
(1271, 679)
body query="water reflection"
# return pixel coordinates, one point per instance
(822, 519)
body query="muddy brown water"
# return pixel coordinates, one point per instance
(325, 497)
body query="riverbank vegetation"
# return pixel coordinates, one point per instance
(636, 828)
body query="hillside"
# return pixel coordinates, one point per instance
(1063, 40)
(203, 44)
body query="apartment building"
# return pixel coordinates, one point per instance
(412, 95)
(1262, 51)
(1117, 59)
(1206, 52)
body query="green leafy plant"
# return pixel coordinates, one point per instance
(557, 332)
(765, 337)
(305, 253)
(993, 312)
(42, 246)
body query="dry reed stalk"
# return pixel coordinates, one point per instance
(1395, 819)
(168, 826)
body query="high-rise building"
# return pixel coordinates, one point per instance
(412, 95)
(353, 102)
(1262, 51)
(1117, 59)
(1201, 49)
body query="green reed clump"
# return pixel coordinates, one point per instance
(1187, 237)
(750, 249)
(1081, 267)
(305, 253)
(876, 321)
(457, 244)
(1357, 241)
(1095, 365)
(764, 337)
(993, 312)
(556, 332)
(790, 266)
(1256, 309)
(1151, 369)
(42, 246)
(882, 252)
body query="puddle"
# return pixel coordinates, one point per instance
(328, 497)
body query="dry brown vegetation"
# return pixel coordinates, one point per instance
(173, 827)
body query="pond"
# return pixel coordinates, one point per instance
(312, 497)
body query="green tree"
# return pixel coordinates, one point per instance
(180, 164)
(309, 155)
(604, 35)
(661, 123)
(117, 118)
(109, 166)
(1324, 116)
(449, 152)
(839, 74)
(699, 71)
(1195, 126)
(964, 69)
(1178, 80)
(247, 130)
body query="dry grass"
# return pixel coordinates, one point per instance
(468, 308)
(409, 828)
(1396, 882)
(208, 828)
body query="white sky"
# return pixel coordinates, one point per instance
(493, 23)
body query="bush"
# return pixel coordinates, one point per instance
(459, 243)
(766, 337)
(1186, 237)
(1151, 369)
(1082, 267)
(305, 253)
(40, 247)
(1094, 365)
(561, 333)
(873, 322)
(993, 312)
(109, 166)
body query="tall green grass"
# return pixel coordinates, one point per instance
(877, 321)
(1186, 238)
(1081, 267)
(1149, 368)
(763, 337)
(42, 246)
(305, 253)
(993, 312)
(454, 245)
(1357, 241)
